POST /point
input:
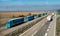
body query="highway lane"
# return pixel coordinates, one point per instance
(49, 29)
(41, 28)
(34, 29)
(52, 29)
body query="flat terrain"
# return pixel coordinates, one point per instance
(58, 24)
(58, 27)
(9, 15)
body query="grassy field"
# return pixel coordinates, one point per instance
(58, 26)
(9, 15)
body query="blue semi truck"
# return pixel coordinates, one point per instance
(37, 15)
(12, 22)
(28, 18)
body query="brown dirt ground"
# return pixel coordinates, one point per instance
(6, 15)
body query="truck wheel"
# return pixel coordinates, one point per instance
(51, 19)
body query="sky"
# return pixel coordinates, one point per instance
(30, 5)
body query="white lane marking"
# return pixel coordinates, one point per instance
(34, 33)
(23, 33)
(47, 30)
(46, 34)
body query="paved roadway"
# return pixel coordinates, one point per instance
(34, 29)
(43, 28)
(48, 29)
(52, 28)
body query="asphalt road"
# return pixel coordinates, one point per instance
(49, 29)
(34, 29)
(52, 28)
(43, 28)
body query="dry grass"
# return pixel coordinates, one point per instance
(58, 27)
(8, 15)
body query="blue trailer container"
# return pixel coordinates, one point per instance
(18, 20)
(37, 15)
(28, 18)
(44, 14)
(13, 22)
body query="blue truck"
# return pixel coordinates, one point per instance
(44, 14)
(28, 18)
(12, 22)
(37, 15)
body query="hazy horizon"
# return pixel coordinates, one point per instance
(29, 5)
